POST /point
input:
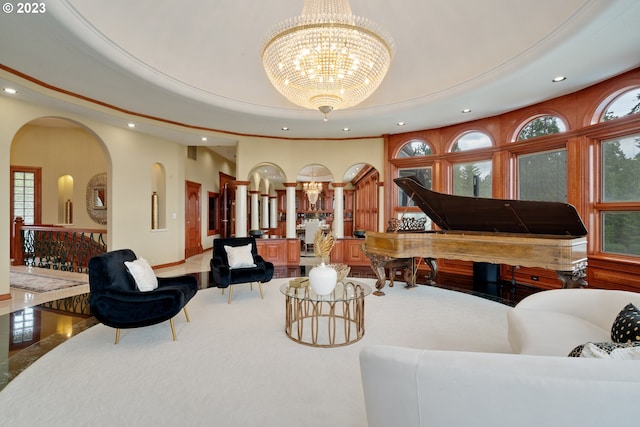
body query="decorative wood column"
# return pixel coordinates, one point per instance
(291, 209)
(338, 209)
(241, 208)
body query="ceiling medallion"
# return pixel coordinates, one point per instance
(327, 58)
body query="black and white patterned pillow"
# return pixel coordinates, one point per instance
(607, 350)
(626, 327)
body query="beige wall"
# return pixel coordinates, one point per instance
(293, 155)
(129, 157)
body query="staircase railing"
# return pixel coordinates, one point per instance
(56, 247)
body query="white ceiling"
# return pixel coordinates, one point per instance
(195, 65)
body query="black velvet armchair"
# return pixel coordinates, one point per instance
(116, 301)
(224, 275)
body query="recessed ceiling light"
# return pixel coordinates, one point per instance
(10, 90)
(204, 138)
(284, 128)
(466, 110)
(559, 79)
(401, 123)
(346, 129)
(131, 125)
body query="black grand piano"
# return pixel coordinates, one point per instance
(548, 235)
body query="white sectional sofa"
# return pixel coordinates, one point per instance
(537, 386)
(410, 387)
(552, 323)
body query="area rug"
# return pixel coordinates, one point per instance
(233, 365)
(33, 282)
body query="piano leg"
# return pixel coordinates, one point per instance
(377, 265)
(433, 266)
(411, 273)
(575, 278)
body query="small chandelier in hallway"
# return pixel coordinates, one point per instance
(327, 58)
(312, 189)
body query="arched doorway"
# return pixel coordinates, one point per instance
(52, 163)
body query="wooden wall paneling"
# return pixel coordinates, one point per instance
(348, 251)
(605, 273)
(293, 251)
(581, 111)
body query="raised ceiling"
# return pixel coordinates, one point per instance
(195, 65)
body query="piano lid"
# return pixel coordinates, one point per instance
(462, 213)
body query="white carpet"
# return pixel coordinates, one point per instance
(233, 365)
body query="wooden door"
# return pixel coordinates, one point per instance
(193, 233)
(227, 205)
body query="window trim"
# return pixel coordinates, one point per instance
(37, 175)
(599, 206)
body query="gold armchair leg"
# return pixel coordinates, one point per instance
(251, 286)
(260, 286)
(186, 313)
(117, 335)
(230, 292)
(173, 329)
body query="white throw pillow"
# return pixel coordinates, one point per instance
(599, 351)
(239, 256)
(143, 274)
(608, 350)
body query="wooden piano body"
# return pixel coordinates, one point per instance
(547, 235)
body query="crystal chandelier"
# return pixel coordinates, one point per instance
(327, 58)
(313, 189)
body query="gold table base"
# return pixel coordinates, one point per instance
(325, 321)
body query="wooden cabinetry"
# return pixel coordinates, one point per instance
(281, 252)
(349, 251)
(324, 209)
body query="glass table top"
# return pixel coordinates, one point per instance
(347, 290)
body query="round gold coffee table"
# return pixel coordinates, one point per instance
(330, 320)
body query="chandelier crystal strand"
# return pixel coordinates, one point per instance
(327, 58)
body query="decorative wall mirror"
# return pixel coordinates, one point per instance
(97, 198)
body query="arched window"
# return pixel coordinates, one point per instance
(471, 141)
(414, 148)
(624, 105)
(543, 125)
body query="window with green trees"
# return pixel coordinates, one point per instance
(624, 105)
(543, 176)
(471, 141)
(472, 179)
(424, 176)
(543, 125)
(414, 148)
(620, 195)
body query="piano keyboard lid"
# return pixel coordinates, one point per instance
(461, 213)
